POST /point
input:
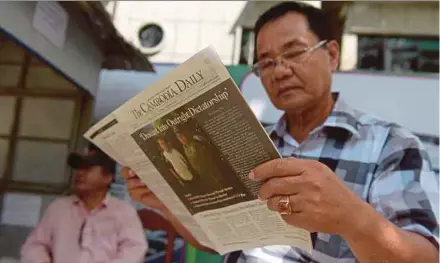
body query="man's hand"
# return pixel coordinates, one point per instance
(139, 191)
(319, 200)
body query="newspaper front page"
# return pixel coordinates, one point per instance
(193, 140)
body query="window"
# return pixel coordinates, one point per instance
(371, 53)
(150, 35)
(40, 116)
(247, 47)
(398, 54)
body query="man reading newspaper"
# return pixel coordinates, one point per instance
(363, 184)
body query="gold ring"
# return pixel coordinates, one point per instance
(284, 205)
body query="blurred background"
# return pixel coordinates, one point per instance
(65, 65)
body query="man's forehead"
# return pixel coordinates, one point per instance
(292, 25)
(281, 45)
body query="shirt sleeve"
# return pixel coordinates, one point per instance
(405, 188)
(132, 244)
(37, 247)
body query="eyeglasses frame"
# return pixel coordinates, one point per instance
(255, 66)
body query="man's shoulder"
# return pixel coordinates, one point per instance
(395, 130)
(122, 211)
(62, 201)
(393, 138)
(121, 205)
(59, 205)
(167, 154)
(173, 154)
(372, 123)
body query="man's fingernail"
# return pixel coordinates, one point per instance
(252, 175)
(131, 172)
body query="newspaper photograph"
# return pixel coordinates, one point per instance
(190, 162)
(192, 139)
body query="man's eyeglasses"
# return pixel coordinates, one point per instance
(266, 66)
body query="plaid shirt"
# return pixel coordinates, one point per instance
(381, 162)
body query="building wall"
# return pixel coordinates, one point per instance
(189, 26)
(407, 19)
(78, 58)
(391, 18)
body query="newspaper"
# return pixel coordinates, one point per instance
(192, 138)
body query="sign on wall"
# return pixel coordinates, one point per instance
(51, 20)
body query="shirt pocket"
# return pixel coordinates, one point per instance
(106, 235)
(356, 176)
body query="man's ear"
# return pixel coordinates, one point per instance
(109, 178)
(334, 54)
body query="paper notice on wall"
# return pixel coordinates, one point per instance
(50, 19)
(21, 209)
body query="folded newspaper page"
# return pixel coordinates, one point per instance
(192, 139)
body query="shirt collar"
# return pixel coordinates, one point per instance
(342, 117)
(76, 200)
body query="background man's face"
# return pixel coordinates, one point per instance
(295, 86)
(91, 179)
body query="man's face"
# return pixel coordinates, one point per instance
(163, 145)
(183, 140)
(91, 179)
(295, 86)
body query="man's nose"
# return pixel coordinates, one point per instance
(79, 172)
(281, 70)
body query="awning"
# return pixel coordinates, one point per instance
(97, 23)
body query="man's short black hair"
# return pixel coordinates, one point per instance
(318, 20)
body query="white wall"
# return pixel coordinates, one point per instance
(409, 101)
(189, 25)
(79, 58)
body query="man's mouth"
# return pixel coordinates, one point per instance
(79, 180)
(285, 90)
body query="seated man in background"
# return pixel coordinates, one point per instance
(90, 226)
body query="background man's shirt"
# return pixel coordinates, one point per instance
(68, 233)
